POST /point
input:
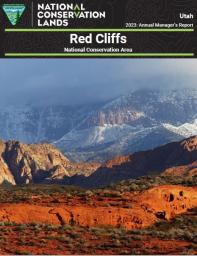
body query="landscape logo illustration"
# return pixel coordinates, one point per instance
(14, 12)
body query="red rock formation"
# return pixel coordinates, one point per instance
(172, 156)
(21, 163)
(184, 170)
(162, 202)
(5, 173)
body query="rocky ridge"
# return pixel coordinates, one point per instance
(43, 163)
(36, 163)
(140, 120)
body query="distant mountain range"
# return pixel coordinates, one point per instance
(140, 120)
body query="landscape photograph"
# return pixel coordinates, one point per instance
(98, 157)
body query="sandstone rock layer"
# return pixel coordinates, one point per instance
(148, 207)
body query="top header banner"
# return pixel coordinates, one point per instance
(98, 29)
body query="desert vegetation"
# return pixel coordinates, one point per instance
(177, 236)
(173, 235)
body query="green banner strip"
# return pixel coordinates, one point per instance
(99, 54)
(97, 30)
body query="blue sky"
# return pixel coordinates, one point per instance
(84, 81)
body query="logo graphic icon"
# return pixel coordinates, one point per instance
(77, 10)
(14, 12)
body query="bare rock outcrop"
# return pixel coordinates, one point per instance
(5, 173)
(36, 163)
(148, 207)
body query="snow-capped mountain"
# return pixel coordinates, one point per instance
(185, 130)
(140, 120)
(137, 121)
(32, 124)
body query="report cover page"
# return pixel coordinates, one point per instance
(98, 127)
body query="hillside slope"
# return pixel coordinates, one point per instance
(43, 163)
(179, 156)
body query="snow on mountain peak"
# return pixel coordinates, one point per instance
(141, 119)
